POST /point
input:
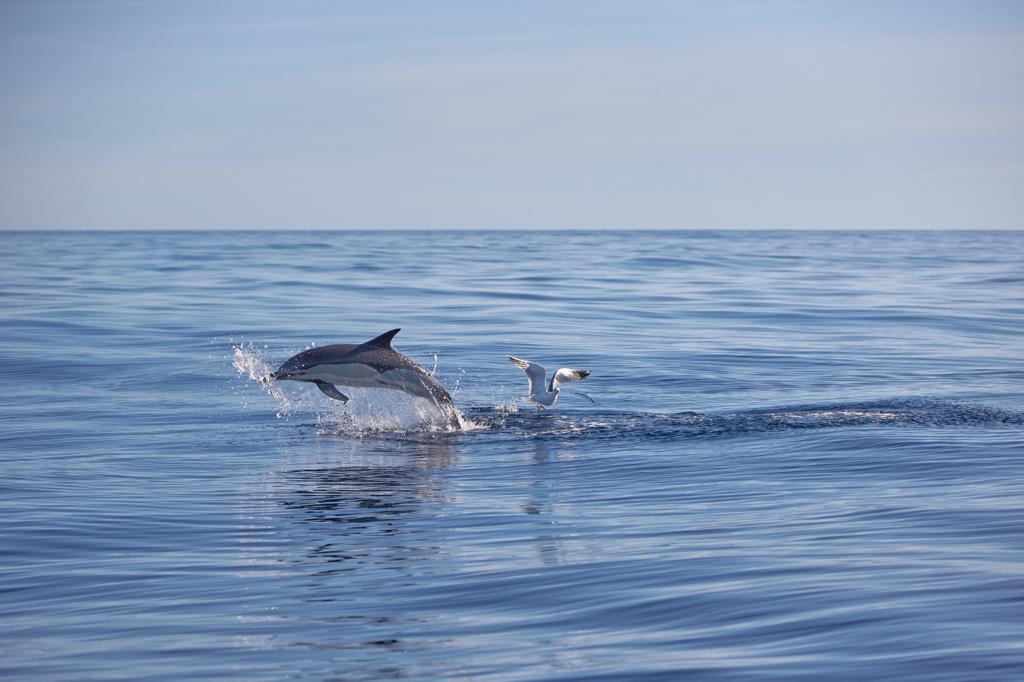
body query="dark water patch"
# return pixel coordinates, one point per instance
(609, 424)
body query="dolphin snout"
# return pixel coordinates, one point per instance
(281, 374)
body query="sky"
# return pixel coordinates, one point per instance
(746, 114)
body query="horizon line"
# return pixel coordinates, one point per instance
(510, 229)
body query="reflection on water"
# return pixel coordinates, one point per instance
(357, 519)
(367, 508)
(542, 496)
(358, 505)
(365, 515)
(376, 552)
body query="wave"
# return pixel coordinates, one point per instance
(657, 426)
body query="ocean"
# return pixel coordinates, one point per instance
(804, 460)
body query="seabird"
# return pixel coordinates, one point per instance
(540, 395)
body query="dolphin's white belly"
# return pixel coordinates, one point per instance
(363, 376)
(347, 374)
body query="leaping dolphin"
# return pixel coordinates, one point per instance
(374, 364)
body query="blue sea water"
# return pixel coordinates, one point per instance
(805, 461)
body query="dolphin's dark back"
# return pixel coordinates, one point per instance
(316, 356)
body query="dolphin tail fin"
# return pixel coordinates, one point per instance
(331, 391)
(384, 340)
(442, 401)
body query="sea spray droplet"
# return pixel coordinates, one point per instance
(375, 412)
(250, 362)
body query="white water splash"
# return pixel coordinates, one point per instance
(506, 406)
(250, 362)
(376, 411)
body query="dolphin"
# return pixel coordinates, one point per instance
(374, 364)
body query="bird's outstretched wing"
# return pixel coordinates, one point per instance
(534, 372)
(565, 375)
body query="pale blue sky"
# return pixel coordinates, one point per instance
(472, 114)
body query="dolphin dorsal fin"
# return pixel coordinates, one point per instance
(384, 340)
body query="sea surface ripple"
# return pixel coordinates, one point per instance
(804, 462)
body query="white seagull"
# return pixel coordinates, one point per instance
(539, 395)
